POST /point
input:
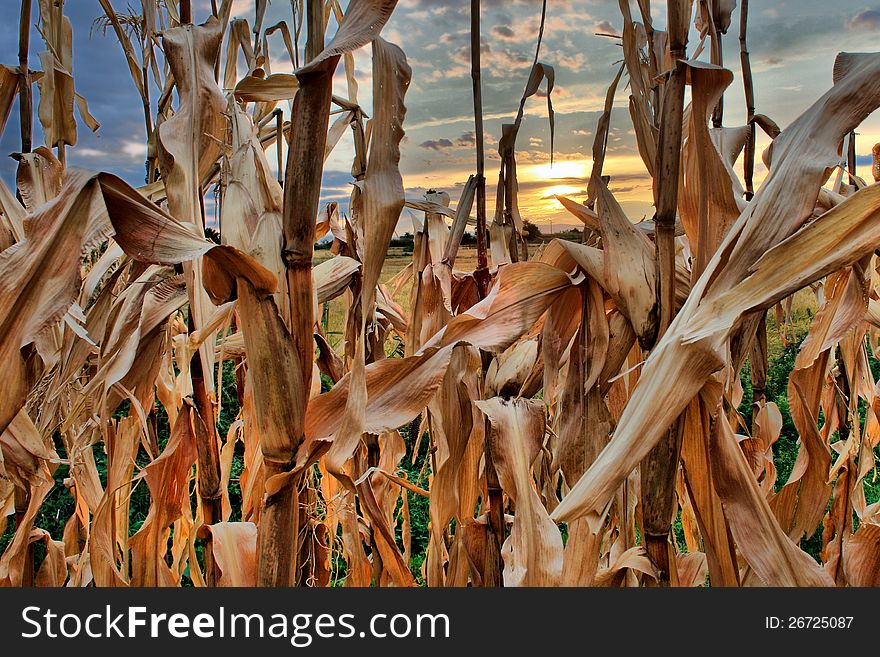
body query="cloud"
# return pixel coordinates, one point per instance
(461, 36)
(135, 149)
(497, 62)
(867, 19)
(575, 62)
(465, 141)
(559, 93)
(605, 27)
(792, 56)
(240, 8)
(575, 194)
(436, 144)
(539, 185)
(503, 32)
(95, 153)
(469, 139)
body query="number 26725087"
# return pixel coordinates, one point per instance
(808, 622)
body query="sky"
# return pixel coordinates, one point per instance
(793, 44)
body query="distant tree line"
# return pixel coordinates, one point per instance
(531, 231)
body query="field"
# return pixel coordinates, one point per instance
(395, 261)
(288, 395)
(780, 362)
(795, 317)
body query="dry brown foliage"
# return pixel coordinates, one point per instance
(574, 404)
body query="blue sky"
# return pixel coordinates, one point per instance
(793, 45)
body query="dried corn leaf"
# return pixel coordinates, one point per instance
(167, 478)
(533, 551)
(689, 351)
(8, 89)
(773, 556)
(861, 556)
(520, 295)
(234, 545)
(278, 86)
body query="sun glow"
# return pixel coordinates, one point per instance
(566, 169)
(549, 194)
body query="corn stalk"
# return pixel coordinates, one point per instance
(660, 469)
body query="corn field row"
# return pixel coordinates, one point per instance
(573, 402)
